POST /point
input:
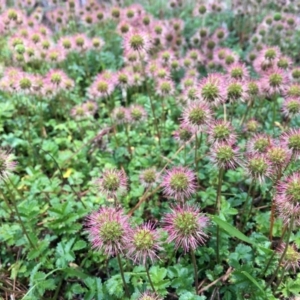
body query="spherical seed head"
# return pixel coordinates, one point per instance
(137, 41)
(187, 82)
(186, 226)
(7, 165)
(165, 87)
(277, 17)
(212, 90)
(183, 134)
(120, 115)
(78, 112)
(252, 56)
(258, 167)
(197, 115)
(210, 44)
(137, 113)
(291, 107)
(251, 126)
(270, 53)
(229, 59)
(25, 83)
(221, 131)
(221, 53)
(292, 256)
(274, 81)
(112, 183)
(291, 140)
(149, 296)
(190, 94)
(144, 244)
(115, 12)
(90, 108)
(293, 90)
(284, 62)
(235, 91)
(109, 230)
(202, 9)
(162, 73)
(149, 177)
(220, 33)
(203, 33)
(288, 198)
(279, 156)
(225, 156)
(102, 86)
(295, 73)
(238, 71)
(253, 89)
(259, 143)
(179, 183)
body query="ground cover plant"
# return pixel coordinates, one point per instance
(149, 150)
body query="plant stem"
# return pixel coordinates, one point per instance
(195, 270)
(149, 277)
(246, 113)
(122, 275)
(246, 203)
(218, 208)
(274, 114)
(128, 142)
(18, 215)
(154, 116)
(62, 176)
(220, 180)
(151, 103)
(163, 116)
(196, 148)
(268, 264)
(272, 216)
(284, 252)
(281, 277)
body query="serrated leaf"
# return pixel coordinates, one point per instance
(191, 296)
(75, 272)
(81, 244)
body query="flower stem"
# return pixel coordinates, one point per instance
(284, 252)
(128, 141)
(196, 148)
(225, 114)
(122, 275)
(218, 208)
(149, 277)
(248, 109)
(281, 277)
(151, 103)
(218, 199)
(274, 114)
(195, 270)
(246, 204)
(154, 116)
(18, 215)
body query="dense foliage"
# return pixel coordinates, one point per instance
(149, 150)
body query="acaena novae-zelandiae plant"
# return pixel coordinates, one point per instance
(180, 112)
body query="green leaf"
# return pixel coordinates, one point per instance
(79, 245)
(234, 232)
(191, 296)
(253, 281)
(75, 272)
